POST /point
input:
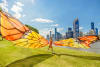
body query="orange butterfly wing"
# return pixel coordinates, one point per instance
(11, 29)
(87, 40)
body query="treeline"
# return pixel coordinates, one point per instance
(32, 28)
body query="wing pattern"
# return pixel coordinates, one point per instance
(32, 40)
(11, 28)
(87, 40)
(70, 43)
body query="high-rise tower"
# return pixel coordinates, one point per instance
(76, 28)
(55, 33)
(70, 33)
(92, 25)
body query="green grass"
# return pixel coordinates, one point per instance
(15, 56)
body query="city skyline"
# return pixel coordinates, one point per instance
(73, 32)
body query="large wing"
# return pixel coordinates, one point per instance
(32, 40)
(11, 28)
(70, 43)
(87, 40)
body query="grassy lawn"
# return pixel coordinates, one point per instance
(15, 56)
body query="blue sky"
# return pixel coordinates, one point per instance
(45, 15)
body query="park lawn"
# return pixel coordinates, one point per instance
(15, 56)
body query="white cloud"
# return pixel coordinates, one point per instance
(17, 9)
(80, 28)
(46, 31)
(42, 20)
(19, 4)
(4, 5)
(23, 15)
(55, 25)
(60, 29)
(33, 1)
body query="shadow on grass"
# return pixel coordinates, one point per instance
(30, 61)
(33, 60)
(84, 57)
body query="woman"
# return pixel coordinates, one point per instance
(50, 44)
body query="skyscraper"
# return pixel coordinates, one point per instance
(70, 33)
(76, 28)
(55, 33)
(50, 34)
(53, 36)
(96, 31)
(47, 37)
(66, 34)
(92, 25)
(59, 36)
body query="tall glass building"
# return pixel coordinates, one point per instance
(50, 34)
(96, 31)
(59, 36)
(76, 28)
(55, 33)
(92, 25)
(70, 33)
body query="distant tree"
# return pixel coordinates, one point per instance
(0, 9)
(32, 28)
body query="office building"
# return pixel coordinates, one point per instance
(96, 31)
(70, 33)
(92, 26)
(76, 28)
